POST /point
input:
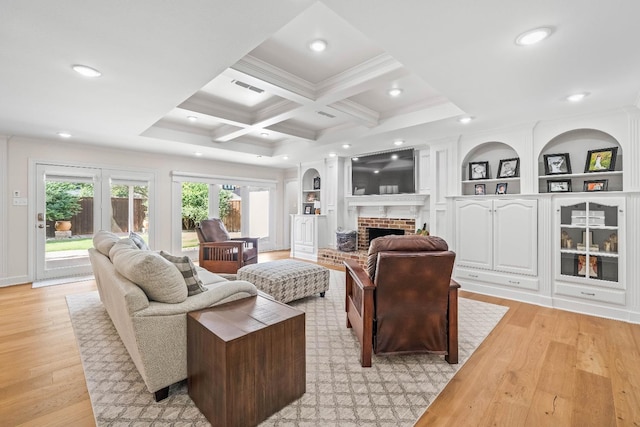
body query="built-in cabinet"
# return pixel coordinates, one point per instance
(497, 241)
(311, 192)
(590, 248)
(547, 244)
(308, 235)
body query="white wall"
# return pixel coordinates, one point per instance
(22, 152)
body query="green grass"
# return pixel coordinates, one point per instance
(68, 244)
(189, 240)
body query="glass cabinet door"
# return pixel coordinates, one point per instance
(589, 241)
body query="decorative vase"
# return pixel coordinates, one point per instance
(63, 225)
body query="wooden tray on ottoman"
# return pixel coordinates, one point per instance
(245, 360)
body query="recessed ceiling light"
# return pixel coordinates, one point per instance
(465, 119)
(197, 154)
(533, 36)
(64, 134)
(332, 154)
(192, 118)
(376, 171)
(345, 146)
(355, 159)
(264, 134)
(577, 97)
(394, 157)
(259, 156)
(285, 157)
(86, 71)
(398, 142)
(318, 45)
(395, 92)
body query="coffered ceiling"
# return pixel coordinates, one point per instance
(236, 81)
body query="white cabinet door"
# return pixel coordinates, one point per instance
(308, 231)
(474, 233)
(515, 236)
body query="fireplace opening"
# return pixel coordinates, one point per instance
(379, 232)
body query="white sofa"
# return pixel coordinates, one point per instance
(155, 333)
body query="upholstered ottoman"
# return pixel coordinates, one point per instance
(287, 280)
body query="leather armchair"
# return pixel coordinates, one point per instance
(405, 301)
(219, 253)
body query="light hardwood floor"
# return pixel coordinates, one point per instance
(539, 367)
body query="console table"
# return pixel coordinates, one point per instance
(245, 359)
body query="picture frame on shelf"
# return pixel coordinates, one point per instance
(509, 168)
(308, 208)
(316, 183)
(595, 266)
(480, 189)
(559, 186)
(478, 170)
(311, 197)
(596, 185)
(501, 188)
(601, 160)
(557, 164)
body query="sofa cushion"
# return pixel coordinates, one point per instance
(104, 240)
(157, 277)
(188, 270)
(139, 241)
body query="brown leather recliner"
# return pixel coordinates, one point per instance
(406, 302)
(219, 253)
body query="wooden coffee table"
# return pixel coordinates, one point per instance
(245, 360)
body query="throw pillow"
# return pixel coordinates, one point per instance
(139, 241)
(104, 240)
(189, 272)
(156, 276)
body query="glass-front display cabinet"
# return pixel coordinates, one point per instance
(590, 244)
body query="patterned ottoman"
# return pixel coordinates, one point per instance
(287, 280)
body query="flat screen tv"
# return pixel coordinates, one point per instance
(392, 172)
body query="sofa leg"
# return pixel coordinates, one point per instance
(161, 394)
(322, 294)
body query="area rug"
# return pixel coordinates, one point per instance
(394, 392)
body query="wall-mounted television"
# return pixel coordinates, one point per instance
(392, 172)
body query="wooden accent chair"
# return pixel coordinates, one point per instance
(406, 301)
(219, 253)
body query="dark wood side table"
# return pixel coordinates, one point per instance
(245, 360)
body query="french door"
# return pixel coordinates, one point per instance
(75, 202)
(68, 213)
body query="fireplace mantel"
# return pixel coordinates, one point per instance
(396, 205)
(387, 200)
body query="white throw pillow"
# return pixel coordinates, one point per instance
(104, 240)
(157, 277)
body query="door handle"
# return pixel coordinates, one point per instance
(40, 225)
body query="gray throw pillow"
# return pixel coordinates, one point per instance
(139, 241)
(188, 270)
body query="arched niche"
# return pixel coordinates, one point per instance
(575, 145)
(493, 153)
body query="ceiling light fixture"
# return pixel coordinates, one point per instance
(192, 118)
(332, 154)
(64, 134)
(577, 97)
(534, 36)
(464, 120)
(285, 157)
(86, 71)
(345, 146)
(398, 142)
(318, 45)
(394, 157)
(197, 154)
(264, 134)
(395, 92)
(355, 159)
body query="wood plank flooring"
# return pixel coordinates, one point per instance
(539, 367)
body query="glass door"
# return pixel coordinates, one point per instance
(68, 199)
(590, 242)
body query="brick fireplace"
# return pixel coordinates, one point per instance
(334, 257)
